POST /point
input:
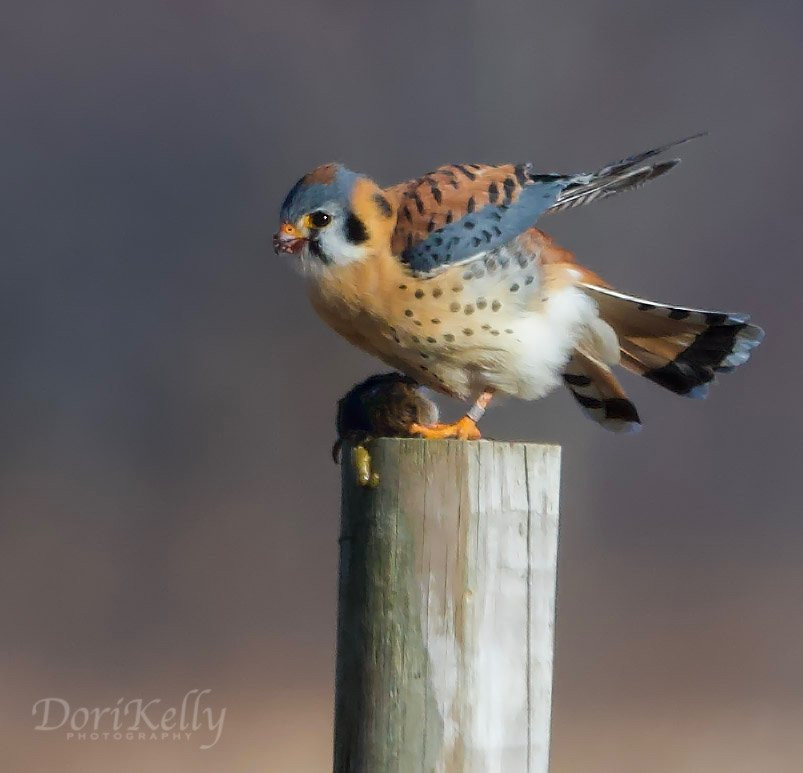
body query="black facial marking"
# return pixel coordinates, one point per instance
(521, 173)
(436, 194)
(383, 205)
(449, 216)
(406, 213)
(468, 173)
(356, 232)
(470, 204)
(493, 193)
(316, 249)
(419, 204)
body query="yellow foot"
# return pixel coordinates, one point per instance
(463, 429)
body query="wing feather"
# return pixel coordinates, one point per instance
(461, 211)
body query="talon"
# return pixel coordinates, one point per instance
(462, 429)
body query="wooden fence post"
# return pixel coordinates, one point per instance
(446, 609)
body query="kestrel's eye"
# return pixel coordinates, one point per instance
(318, 219)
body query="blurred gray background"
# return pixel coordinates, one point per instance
(169, 506)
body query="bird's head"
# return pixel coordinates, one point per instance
(333, 216)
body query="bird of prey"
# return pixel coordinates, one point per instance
(446, 278)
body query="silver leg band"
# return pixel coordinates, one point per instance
(476, 412)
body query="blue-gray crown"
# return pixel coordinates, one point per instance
(325, 183)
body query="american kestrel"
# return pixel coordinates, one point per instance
(446, 279)
(385, 405)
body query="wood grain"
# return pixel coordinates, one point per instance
(446, 609)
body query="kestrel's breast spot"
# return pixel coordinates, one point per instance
(438, 324)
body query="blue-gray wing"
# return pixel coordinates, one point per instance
(461, 211)
(457, 212)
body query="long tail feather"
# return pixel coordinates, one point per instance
(681, 349)
(599, 394)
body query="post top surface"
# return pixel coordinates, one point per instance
(485, 442)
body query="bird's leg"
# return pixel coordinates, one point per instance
(463, 429)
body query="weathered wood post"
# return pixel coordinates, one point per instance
(446, 609)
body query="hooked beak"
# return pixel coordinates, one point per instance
(288, 240)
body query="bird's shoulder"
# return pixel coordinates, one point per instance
(458, 210)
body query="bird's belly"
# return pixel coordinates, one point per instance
(520, 354)
(492, 324)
